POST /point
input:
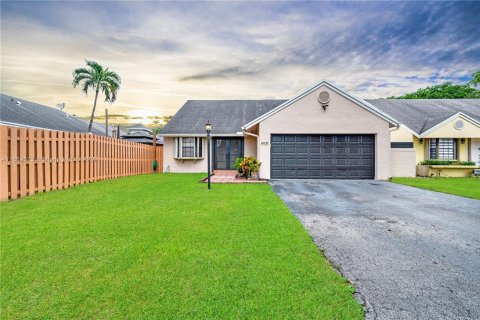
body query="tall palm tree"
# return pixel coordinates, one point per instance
(97, 78)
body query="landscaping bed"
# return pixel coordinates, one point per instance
(163, 246)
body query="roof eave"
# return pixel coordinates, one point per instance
(199, 135)
(441, 124)
(360, 102)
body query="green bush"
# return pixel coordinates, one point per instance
(238, 164)
(248, 165)
(437, 162)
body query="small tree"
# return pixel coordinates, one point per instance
(97, 78)
(476, 79)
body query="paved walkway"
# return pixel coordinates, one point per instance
(231, 179)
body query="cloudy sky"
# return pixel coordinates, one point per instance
(168, 52)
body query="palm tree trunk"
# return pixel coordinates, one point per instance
(93, 111)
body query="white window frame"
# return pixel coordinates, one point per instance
(198, 148)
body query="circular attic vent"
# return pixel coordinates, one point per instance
(459, 125)
(324, 97)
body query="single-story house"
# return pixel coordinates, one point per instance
(323, 132)
(18, 112)
(141, 134)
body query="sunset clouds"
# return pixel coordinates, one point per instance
(167, 52)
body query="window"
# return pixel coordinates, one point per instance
(189, 148)
(443, 148)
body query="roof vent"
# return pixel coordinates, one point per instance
(18, 103)
(459, 125)
(324, 97)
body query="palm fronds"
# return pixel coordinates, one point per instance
(99, 79)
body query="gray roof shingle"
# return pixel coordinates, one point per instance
(32, 114)
(421, 115)
(141, 137)
(226, 116)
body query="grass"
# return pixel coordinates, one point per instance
(162, 246)
(465, 187)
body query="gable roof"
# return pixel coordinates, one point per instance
(34, 115)
(226, 116)
(422, 115)
(141, 137)
(327, 84)
(138, 127)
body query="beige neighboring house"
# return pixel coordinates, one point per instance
(323, 133)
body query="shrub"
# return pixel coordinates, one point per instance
(437, 162)
(248, 165)
(238, 164)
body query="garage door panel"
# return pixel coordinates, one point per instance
(302, 150)
(277, 150)
(322, 156)
(328, 150)
(367, 139)
(289, 150)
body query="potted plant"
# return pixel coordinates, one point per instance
(249, 167)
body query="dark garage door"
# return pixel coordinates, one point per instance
(322, 156)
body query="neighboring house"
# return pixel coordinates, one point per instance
(446, 129)
(141, 134)
(21, 113)
(324, 132)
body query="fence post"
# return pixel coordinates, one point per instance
(4, 152)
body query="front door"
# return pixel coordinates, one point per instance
(225, 152)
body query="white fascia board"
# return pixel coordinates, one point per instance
(360, 102)
(20, 125)
(441, 124)
(169, 135)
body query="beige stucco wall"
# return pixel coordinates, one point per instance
(448, 130)
(403, 162)
(343, 116)
(170, 164)
(475, 150)
(420, 149)
(462, 150)
(401, 135)
(250, 146)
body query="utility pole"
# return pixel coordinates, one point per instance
(106, 122)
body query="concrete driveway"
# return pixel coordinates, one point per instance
(411, 253)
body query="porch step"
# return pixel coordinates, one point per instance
(225, 173)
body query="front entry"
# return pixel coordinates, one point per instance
(225, 152)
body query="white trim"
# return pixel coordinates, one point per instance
(441, 124)
(325, 83)
(20, 125)
(170, 135)
(197, 142)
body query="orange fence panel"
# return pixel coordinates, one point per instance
(35, 160)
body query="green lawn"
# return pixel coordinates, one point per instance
(465, 187)
(162, 246)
